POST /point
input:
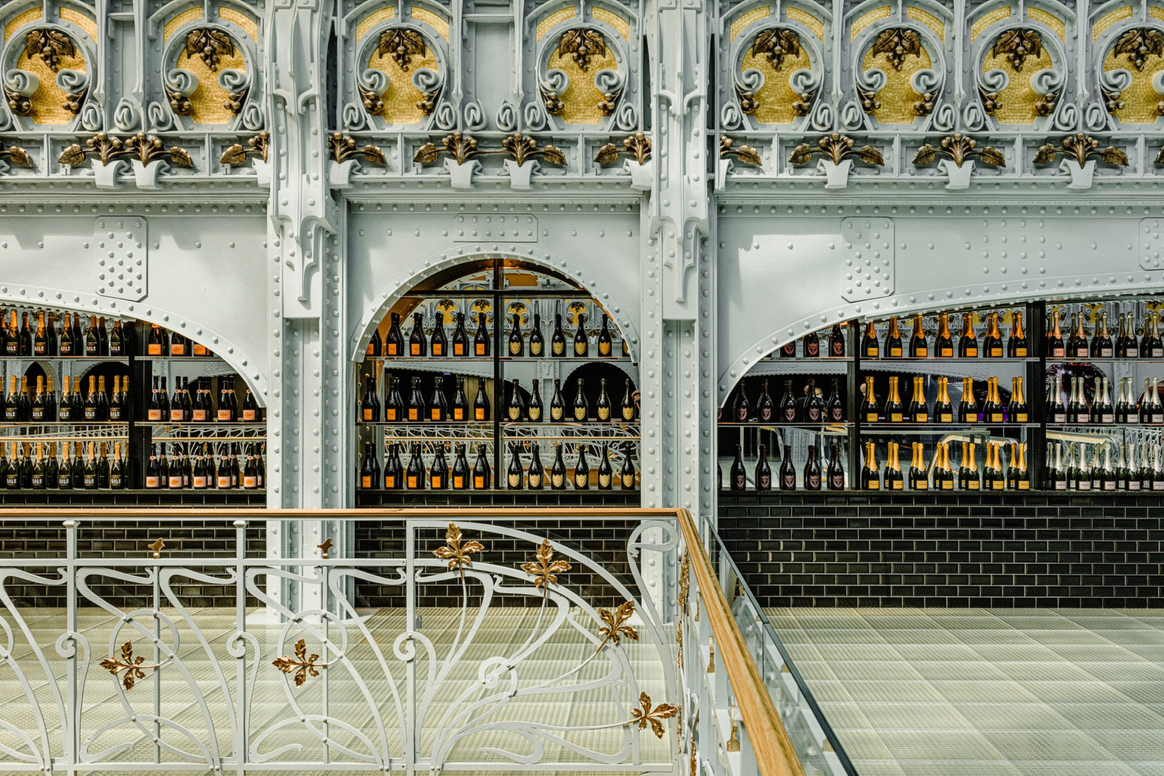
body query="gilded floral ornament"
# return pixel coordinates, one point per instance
(615, 626)
(403, 44)
(342, 148)
(637, 145)
(460, 146)
(897, 44)
(1080, 148)
(748, 102)
(131, 668)
(1017, 45)
(50, 46)
(455, 552)
(179, 103)
(742, 153)
(582, 45)
(302, 665)
(775, 44)
(869, 101)
(552, 100)
(545, 569)
(1112, 101)
(521, 148)
(836, 148)
(990, 104)
(16, 156)
(1139, 44)
(209, 45)
(142, 147)
(256, 146)
(646, 715)
(609, 103)
(959, 148)
(1159, 156)
(19, 104)
(924, 106)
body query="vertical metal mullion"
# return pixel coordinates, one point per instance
(1037, 395)
(324, 610)
(854, 383)
(241, 738)
(412, 737)
(157, 599)
(71, 739)
(498, 388)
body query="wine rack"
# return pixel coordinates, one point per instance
(106, 367)
(506, 395)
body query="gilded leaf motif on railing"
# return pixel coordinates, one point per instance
(133, 667)
(16, 156)
(107, 149)
(545, 569)
(1080, 148)
(646, 715)
(456, 553)
(257, 146)
(302, 665)
(210, 46)
(616, 624)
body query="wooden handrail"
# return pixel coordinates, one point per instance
(774, 753)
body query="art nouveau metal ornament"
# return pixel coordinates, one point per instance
(1019, 76)
(400, 69)
(777, 77)
(1129, 65)
(48, 71)
(899, 71)
(582, 73)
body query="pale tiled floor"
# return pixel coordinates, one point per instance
(947, 692)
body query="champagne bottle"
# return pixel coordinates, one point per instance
(944, 343)
(537, 345)
(12, 403)
(605, 343)
(89, 477)
(742, 406)
(50, 400)
(1101, 344)
(787, 470)
(25, 409)
(1018, 410)
(38, 403)
(558, 470)
(534, 410)
(393, 470)
(393, 399)
(90, 411)
(460, 337)
(919, 409)
(581, 407)
(1121, 347)
(414, 476)
(837, 342)
(438, 343)
(788, 350)
(894, 411)
(605, 471)
(1102, 410)
(250, 407)
(627, 475)
(116, 407)
(40, 342)
(417, 344)
(811, 345)
(375, 345)
(481, 404)
(38, 480)
(394, 341)
(1016, 346)
(65, 408)
(515, 409)
(226, 409)
(460, 409)
(918, 342)
(156, 345)
(1081, 349)
(481, 339)
(537, 474)
(764, 404)
(516, 472)
(370, 406)
(944, 474)
(893, 340)
(628, 402)
(918, 474)
(65, 347)
(835, 410)
(415, 410)
(581, 343)
(869, 410)
(967, 339)
(997, 411)
(869, 346)
(992, 477)
(482, 474)
(836, 472)
(438, 475)
(968, 409)
(1155, 406)
(992, 343)
(943, 408)
(893, 477)
(812, 480)
(1055, 347)
(739, 475)
(557, 403)
(814, 406)
(1056, 410)
(516, 341)
(438, 408)
(968, 472)
(602, 408)
(1152, 346)
(763, 473)
(558, 338)
(369, 469)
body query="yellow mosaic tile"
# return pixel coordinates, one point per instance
(436, 21)
(618, 23)
(241, 20)
(557, 17)
(1139, 99)
(776, 96)
(401, 98)
(867, 18)
(744, 19)
(209, 99)
(581, 98)
(372, 19)
(1016, 103)
(984, 21)
(807, 19)
(1108, 19)
(21, 19)
(1053, 22)
(48, 101)
(84, 21)
(929, 20)
(177, 20)
(897, 96)
(1156, 12)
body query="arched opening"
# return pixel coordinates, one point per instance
(470, 381)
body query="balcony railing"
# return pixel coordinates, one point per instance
(539, 641)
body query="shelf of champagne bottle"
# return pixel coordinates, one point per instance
(966, 346)
(1132, 342)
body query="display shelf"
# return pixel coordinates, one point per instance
(592, 359)
(202, 424)
(443, 364)
(1114, 426)
(484, 425)
(1089, 360)
(69, 359)
(772, 424)
(182, 359)
(72, 424)
(883, 427)
(937, 359)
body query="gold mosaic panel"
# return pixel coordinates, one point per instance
(987, 19)
(1016, 103)
(897, 96)
(48, 101)
(1053, 22)
(607, 16)
(867, 18)
(557, 17)
(433, 20)
(21, 19)
(581, 98)
(1139, 99)
(776, 96)
(176, 21)
(372, 19)
(1156, 12)
(1108, 19)
(83, 21)
(744, 19)
(401, 98)
(936, 25)
(209, 99)
(808, 20)
(241, 20)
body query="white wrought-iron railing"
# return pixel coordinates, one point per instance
(504, 642)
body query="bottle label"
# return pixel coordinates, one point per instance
(1020, 352)
(764, 482)
(412, 482)
(458, 349)
(435, 414)
(479, 413)
(38, 480)
(515, 348)
(438, 348)
(1109, 485)
(115, 481)
(604, 413)
(1081, 351)
(812, 482)
(201, 350)
(838, 348)
(10, 414)
(873, 485)
(1021, 417)
(946, 417)
(414, 349)
(996, 417)
(224, 482)
(972, 485)
(371, 351)
(871, 417)
(946, 352)
(514, 413)
(921, 417)
(579, 348)
(580, 414)
(1106, 417)
(535, 413)
(90, 413)
(40, 349)
(515, 480)
(38, 413)
(458, 413)
(971, 417)
(200, 482)
(479, 483)
(895, 352)
(947, 484)
(871, 352)
(604, 480)
(922, 353)
(559, 348)
(1105, 352)
(603, 348)
(389, 413)
(177, 349)
(151, 482)
(389, 481)
(154, 349)
(1157, 417)
(837, 482)
(480, 348)
(896, 485)
(248, 414)
(114, 413)
(458, 482)
(1061, 485)
(176, 414)
(1060, 417)
(200, 415)
(535, 480)
(413, 413)
(535, 348)
(996, 352)
(895, 417)
(224, 414)
(1133, 484)
(628, 480)
(1083, 485)
(555, 413)
(921, 485)
(90, 481)
(365, 482)
(997, 485)
(13, 481)
(582, 479)
(435, 481)
(173, 482)
(812, 349)
(250, 482)
(557, 480)
(814, 415)
(972, 351)
(1157, 353)
(1058, 352)
(788, 481)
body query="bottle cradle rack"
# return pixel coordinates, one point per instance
(1038, 433)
